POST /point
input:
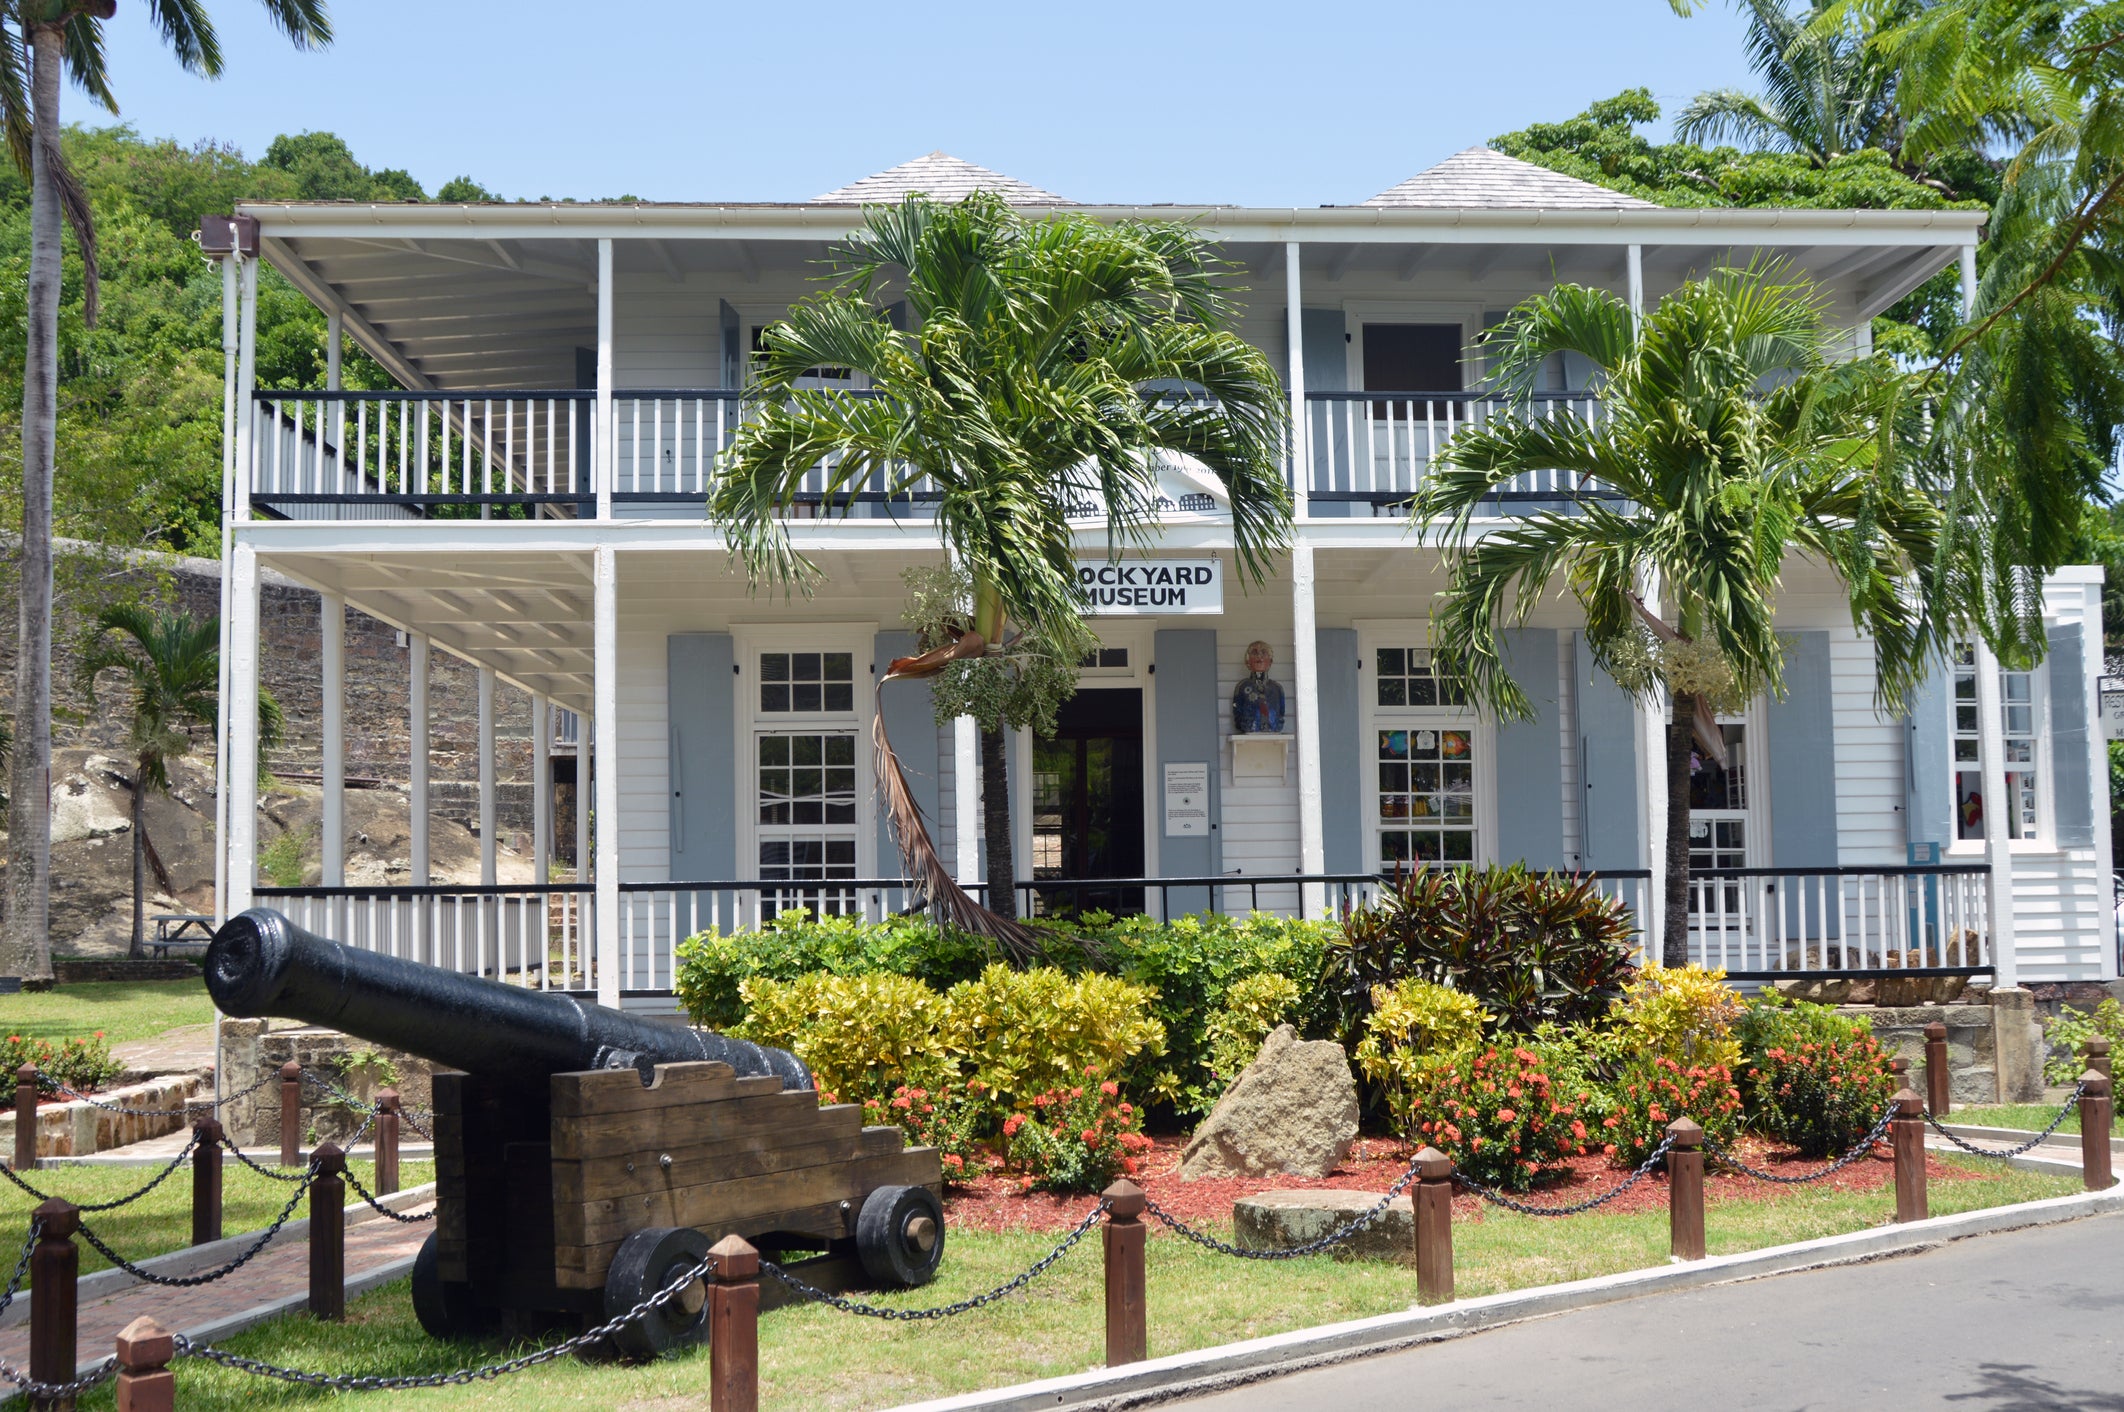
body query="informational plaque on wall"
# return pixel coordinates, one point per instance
(1187, 799)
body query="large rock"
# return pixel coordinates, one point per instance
(1292, 1113)
(1285, 1220)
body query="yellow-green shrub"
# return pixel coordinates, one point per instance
(1028, 1032)
(1252, 1007)
(1683, 1013)
(863, 1036)
(1413, 1028)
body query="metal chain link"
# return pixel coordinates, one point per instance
(218, 1103)
(463, 1376)
(265, 1238)
(234, 1151)
(1313, 1247)
(52, 1392)
(29, 1247)
(1498, 1198)
(2032, 1143)
(943, 1311)
(1859, 1149)
(112, 1205)
(382, 1209)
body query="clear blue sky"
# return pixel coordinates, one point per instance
(1098, 100)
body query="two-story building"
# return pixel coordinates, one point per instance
(533, 501)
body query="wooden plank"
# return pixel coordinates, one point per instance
(710, 1204)
(626, 1174)
(583, 1267)
(662, 1129)
(754, 1159)
(622, 1090)
(882, 1142)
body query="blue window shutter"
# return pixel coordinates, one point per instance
(1928, 760)
(1342, 746)
(1326, 346)
(1187, 732)
(701, 700)
(1800, 732)
(1607, 742)
(911, 724)
(2072, 804)
(1530, 757)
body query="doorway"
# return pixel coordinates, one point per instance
(1087, 803)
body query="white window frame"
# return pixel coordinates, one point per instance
(1755, 762)
(1416, 633)
(2039, 700)
(751, 640)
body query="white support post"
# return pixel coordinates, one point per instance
(966, 798)
(246, 409)
(486, 777)
(602, 460)
(1294, 336)
(1969, 282)
(1305, 664)
(541, 789)
(1636, 266)
(583, 734)
(332, 631)
(242, 716)
(230, 391)
(1998, 819)
(418, 853)
(605, 662)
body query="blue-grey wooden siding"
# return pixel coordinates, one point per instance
(1342, 750)
(1800, 736)
(1928, 759)
(703, 779)
(1188, 707)
(2072, 807)
(1607, 742)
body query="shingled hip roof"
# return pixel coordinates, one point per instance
(940, 175)
(1483, 179)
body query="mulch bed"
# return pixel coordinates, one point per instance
(997, 1201)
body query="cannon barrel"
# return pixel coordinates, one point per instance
(260, 963)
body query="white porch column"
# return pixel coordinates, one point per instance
(1998, 816)
(541, 789)
(242, 718)
(1305, 665)
(230, 396)
(1969, 281)
(417, 854)
(583, 734)
(332, 631)
(1294, 337)
(601, 458)
(1635, 264)
(606, 666)
(486, 777)
(966, 799)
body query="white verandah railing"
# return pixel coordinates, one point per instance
(539, 935)
(1760, 923)
(1376, 448)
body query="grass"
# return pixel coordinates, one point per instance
(123, 1010)
(2022, 1117)
(817, 1358)
(161, 1221)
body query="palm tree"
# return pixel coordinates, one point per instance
(1025, 385)
(1826, 90)
(1694, 484)
(55, 36)
(171, 662)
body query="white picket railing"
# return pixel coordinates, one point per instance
(1759, 921)
(532, 935)
(1377, 447)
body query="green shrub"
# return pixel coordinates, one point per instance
(863, 1036)
(1027, 1032)
(1529, 946)
(1076, 1139)
(83, 1065)
(1253, 1007)
(2073, 1028)
(1412, 1028)
(1651, 1091)
(1496, 1112)
(946, 1118)
(1811, 1076)
(1684, 1012)
(711, 968)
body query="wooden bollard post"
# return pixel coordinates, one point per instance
(1907, 1131)
(328, 1233)
(1685, 1189)
(1127, 1320)
(1939, 1086)
(2096, 1052)
(54, 1272)
(26, 1118)
(386, 1142)
(2096, 1113)
(1433, 1209)
(291, 1114)
(145, 1382)
(734, 1327)
(206, 1183)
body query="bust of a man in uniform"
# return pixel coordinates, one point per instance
(1257, 702)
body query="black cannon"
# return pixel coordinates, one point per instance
(585, 1157)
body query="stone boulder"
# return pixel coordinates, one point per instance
(1292, 1113)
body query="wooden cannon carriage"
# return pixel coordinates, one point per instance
(586, 1158)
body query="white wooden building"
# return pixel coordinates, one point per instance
(533, 502)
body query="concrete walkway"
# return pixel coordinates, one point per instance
(2010, 1323)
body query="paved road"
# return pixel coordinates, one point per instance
(2007, 1323)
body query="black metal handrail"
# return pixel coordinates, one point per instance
(1893, 870)
(1453, 395)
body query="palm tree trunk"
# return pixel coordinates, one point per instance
(138, 948)
(25, 940)
(1681, 740)
(995, 826)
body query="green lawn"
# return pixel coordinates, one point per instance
(818, 1358)
(123, 1010)
(161, 1221)
(2023, 1117)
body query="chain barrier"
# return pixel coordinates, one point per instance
(236, 1152)
(160, 1177)
(66, 1091)
(1498, 1198)
(2032, 1143)
(1313, 1247)
(29, 1246)
(383, 1210)
(943, 1311)
(265, 1238)
(1859, 1149)
(52, 1392)
(463, 1376)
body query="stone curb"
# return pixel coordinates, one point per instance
(2014, 1137)
(1212, 1369)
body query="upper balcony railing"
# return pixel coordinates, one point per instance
(1373, 450)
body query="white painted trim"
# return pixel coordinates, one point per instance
(606, 773)
(332, 628)
(1373, 634)
(1294, 339)
(487, 841)
(966, 798)
(1998, 851)
(748, 640)
(603, 456)
(229, 395)
(419, 855)
(1634, 263)
(242, 713)
(541, 788)
(1305, 672)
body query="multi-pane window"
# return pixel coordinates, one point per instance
(2018, 741)
(807, 683)
(804, 783)
(1424, 752)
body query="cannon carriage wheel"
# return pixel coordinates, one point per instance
(447, 1309)
(899, 1236)
(646, 1261)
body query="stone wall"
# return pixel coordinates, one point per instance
(118, 968)
(80, 1127)
(250, 1052)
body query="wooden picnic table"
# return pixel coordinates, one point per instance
(183, 931)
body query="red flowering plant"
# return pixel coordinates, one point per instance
(1650, 1091)
(1496, 1112)
(945, 1118)
(1077, 1139)
(83, 1065)
(1812, 1077)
